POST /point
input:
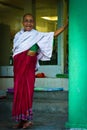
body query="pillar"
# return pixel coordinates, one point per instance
(77, 107)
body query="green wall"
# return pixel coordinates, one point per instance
(77, 116)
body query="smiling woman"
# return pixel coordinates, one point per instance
(28, 22)
(29, 46)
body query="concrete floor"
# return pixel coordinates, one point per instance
(42, 120)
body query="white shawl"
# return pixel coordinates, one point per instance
(24, 40)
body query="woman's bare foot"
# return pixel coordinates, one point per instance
(19, 125)
(27, 124)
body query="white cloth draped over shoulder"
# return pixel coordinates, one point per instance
(23, 40)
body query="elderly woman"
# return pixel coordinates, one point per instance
(29, 46)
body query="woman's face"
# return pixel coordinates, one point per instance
(28, 23)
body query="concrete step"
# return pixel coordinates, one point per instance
(47, 95)
(56, 101)
(45, 106)
(51, 95)
(7, 82)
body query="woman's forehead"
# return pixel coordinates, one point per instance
(28, 17)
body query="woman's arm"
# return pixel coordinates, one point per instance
(60, 30)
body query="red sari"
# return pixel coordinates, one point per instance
(24, 79)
